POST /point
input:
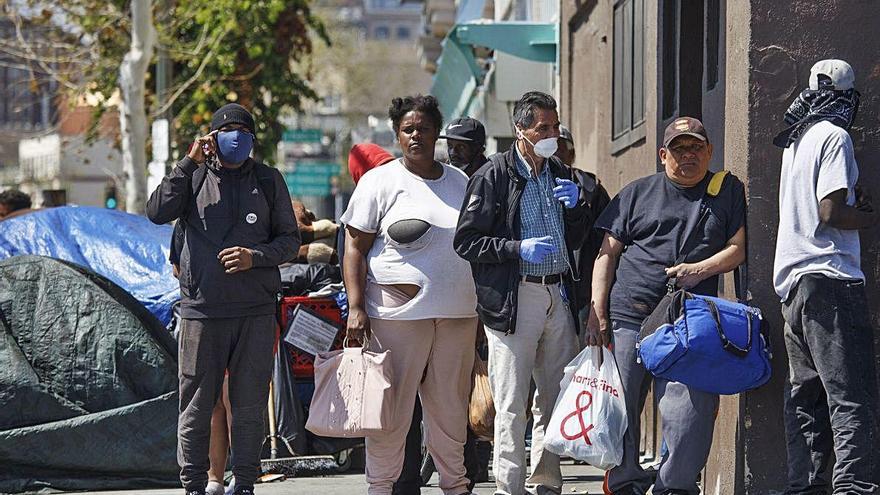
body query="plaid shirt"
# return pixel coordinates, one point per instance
(541, 215)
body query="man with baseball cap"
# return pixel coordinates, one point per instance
(644, 249)
(831, 403)
(466, 145)
(465, 142)
(237, 227)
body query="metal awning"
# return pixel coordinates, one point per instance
(458, 73)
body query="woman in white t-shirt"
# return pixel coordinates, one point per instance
(410, 294)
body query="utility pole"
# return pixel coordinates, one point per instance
(161, 128)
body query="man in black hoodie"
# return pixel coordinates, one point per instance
(238, 226)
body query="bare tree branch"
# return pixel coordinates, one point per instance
(195, 77)
(16, 21)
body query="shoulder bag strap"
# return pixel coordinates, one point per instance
(712, 190)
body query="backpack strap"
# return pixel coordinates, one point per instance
(712, 190)
(715, 183)
(741, 273)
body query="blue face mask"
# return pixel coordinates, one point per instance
(234, 146)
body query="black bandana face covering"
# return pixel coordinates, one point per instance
(812, 105)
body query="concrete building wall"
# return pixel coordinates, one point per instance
(786, 38)
(82, 169)
(586, 81)
(585, 95)
(766, 48)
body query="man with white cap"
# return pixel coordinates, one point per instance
(832, 398)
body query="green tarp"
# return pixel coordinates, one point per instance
(88, 385)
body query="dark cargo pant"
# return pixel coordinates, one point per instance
(207, 348)
(831, 401)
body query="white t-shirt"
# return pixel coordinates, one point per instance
(820, 162)
(391, 193)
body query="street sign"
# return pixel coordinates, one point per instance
(310, 177)
(160, 140)
(302, 135)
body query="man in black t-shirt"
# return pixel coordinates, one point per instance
(646, 226)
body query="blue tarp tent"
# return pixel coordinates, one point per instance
(128, 249)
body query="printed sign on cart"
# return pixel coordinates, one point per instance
(309, 332)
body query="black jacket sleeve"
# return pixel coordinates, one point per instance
(169, 201)
(285, 239)
(577, 219)
(474, 240)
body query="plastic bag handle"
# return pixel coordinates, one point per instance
(600, 359)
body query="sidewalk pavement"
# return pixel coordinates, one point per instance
(579, 480)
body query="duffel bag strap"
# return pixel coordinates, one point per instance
(726, 343)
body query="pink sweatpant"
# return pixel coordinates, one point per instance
(441, 350)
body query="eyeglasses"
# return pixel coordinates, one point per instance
(688, 148)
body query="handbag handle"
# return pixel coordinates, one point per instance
(364, 345)
(726, 343)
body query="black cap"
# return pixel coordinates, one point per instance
(465, 129)
(232, 113)
(684, 126)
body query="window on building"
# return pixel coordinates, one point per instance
(404, 32)
(669, 58)
(628, 115)
(713, 35)
(690, 57)
(691, 36)
(382, 32)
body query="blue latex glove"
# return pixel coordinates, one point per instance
(535, 249)
(567, 192)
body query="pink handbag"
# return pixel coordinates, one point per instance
(353, 396)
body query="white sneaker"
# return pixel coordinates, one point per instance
(214, 488)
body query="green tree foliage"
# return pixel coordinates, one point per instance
(246, 51)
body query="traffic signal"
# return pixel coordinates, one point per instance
(110, 197)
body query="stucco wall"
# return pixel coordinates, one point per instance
(787, 37)
(768, 47)
(727, 109)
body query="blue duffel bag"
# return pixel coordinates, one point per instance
(708, 343)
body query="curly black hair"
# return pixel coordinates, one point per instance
(15, 200)
(426, 104)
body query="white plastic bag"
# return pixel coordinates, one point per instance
(589, 419)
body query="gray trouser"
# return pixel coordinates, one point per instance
(831, 401)
(544, 342)
(207, 348)
(688, 421)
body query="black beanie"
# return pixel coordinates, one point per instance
(232, 113)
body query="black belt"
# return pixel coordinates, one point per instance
(545, 280)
